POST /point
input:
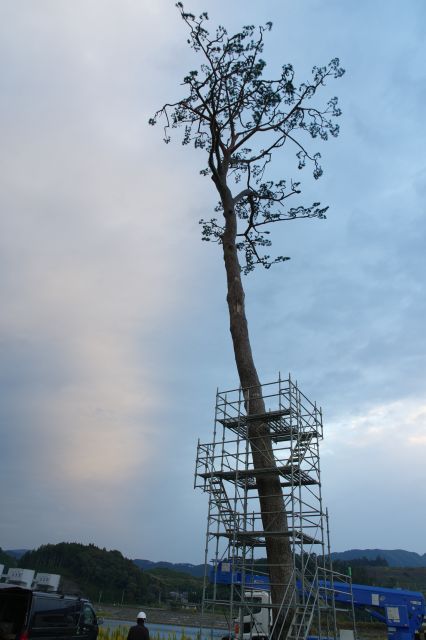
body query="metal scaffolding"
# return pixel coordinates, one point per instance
(235, 537)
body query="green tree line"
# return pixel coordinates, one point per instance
(96, 573)
(6, 559)
(358, 568)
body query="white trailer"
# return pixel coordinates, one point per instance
(20, 577)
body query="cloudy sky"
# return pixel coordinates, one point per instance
(113, 327)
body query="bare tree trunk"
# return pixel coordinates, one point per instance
(274, 517)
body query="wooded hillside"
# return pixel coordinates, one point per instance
(109, 577)
(7, 560)
(97, 573)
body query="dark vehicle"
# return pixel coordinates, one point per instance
(35, 615)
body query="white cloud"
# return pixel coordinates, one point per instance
(392, 427)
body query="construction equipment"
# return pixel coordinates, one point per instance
(402, 611)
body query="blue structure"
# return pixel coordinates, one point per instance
(402, 611)
(222, 574)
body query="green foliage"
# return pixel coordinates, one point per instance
(241, 119)
(411, 578)
(169, 580)
(120, 633)
(358, 569)
(378, 561)
(94, 570)
(7, 560)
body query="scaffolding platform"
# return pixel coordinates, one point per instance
(225, 470)
(258, 538)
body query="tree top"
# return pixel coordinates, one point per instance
(241, 118)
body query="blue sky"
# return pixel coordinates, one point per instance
(113, 328)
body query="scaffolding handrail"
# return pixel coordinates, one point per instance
(235, 530)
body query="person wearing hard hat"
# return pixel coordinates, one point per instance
(139, 631)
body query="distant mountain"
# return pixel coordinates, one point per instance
(394, 557)
(195, 570)
(16, 553)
